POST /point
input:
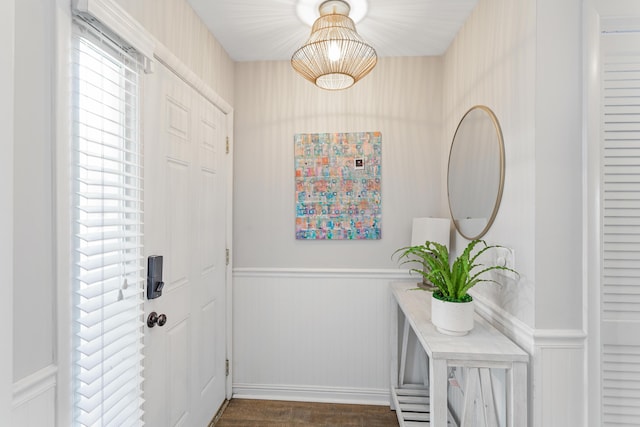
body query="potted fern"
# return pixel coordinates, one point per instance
(451, 306)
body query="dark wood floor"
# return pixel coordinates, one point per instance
(254, 413)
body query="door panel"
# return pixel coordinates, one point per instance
(208, 353)
(177, 391)
(185, 200)
(177, 224)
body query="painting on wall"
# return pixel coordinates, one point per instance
(338, 186)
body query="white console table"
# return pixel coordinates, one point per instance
(482, 349)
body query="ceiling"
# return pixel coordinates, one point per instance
(264, 30)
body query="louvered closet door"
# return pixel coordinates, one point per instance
(620, 191)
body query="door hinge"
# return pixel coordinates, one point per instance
(226, 367)
(227, 145)
(227, 256)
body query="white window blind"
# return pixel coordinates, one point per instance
(620, 187)
(107, 212)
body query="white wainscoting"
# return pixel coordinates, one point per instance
(34, 399)
(323, 335)
(557, 376)
(312, 334)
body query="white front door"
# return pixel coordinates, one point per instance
(185, 206)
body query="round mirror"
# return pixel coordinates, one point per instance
(476, 172)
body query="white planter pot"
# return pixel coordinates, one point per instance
(452, 318)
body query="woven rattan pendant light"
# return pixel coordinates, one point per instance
(335, 57)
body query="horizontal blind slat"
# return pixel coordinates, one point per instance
(119, 402)
(110, 246)
(91, 333)
(108, 260)
(111, 356)
(100, 302)
(108, 235)
(94, 318)
(115, 379)
(106, 273)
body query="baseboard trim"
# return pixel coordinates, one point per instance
(29, 388)
(334, 273)
(376, 397)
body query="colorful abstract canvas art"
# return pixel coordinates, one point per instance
(338, 180)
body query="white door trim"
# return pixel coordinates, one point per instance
(7, 54)
(62, 208)
(591, 210)
(229, 275)
(180, 69)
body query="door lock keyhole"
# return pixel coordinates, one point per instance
(154, 318)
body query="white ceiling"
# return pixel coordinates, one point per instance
(261, 30)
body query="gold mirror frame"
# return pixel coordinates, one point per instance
(475, 173)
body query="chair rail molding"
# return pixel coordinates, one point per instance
(360, 273)
(514, 328)
(29, 388)
(34, 398)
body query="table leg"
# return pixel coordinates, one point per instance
(403, 354)
(470, 395)
(438, 392)
(517, 395)
(488, 400)
(393, 341)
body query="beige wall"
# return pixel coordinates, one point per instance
(492, 62)
(7, 56)
(311, 317)
(522, 59)
(176, 25)
(559, 167)
(34, 277)
(401, 98)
